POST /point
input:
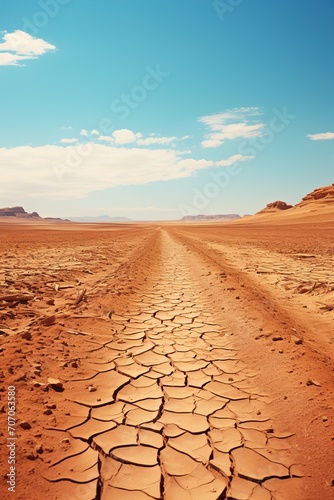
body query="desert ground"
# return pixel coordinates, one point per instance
(169, 361)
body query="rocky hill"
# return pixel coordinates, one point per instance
(319, 201)
(274, 207)
(18, 212)
(322, 194)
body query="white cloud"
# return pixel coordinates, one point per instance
(221, 129)
(326, 136)
(19, 46)
(68, 141)
(125, 136)
(106, 138)
(155, 140)
(233, 159)
(210, 143)
(71, 172)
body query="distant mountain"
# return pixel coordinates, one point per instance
(18, 212)
(100, 218)
(225, 217)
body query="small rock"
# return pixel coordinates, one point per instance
(277, 338)
(39, 449)
(281, 351)
(51, 406)
(324, 419)
(298, 341)
(56, 384)
(48, 412)
(313, 382)
(74, 364)
(91, 388)
(32, 456)
(26, 336)
(25, 425)
(49, 320)
(50, 302)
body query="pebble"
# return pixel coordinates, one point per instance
(313, 382)
(277, 337)
(56, 384)
(25, 425)
(26, 336)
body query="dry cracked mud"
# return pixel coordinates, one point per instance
(173, 413)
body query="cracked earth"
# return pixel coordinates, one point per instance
(154, 397)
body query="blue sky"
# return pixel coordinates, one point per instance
(153, 109)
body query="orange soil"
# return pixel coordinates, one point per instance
(190, 361)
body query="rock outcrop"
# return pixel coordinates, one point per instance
(275, 206)
(18, 212)
(322, 194)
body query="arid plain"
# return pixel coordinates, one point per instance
(170, 360)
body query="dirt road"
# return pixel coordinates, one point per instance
(179, 373)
